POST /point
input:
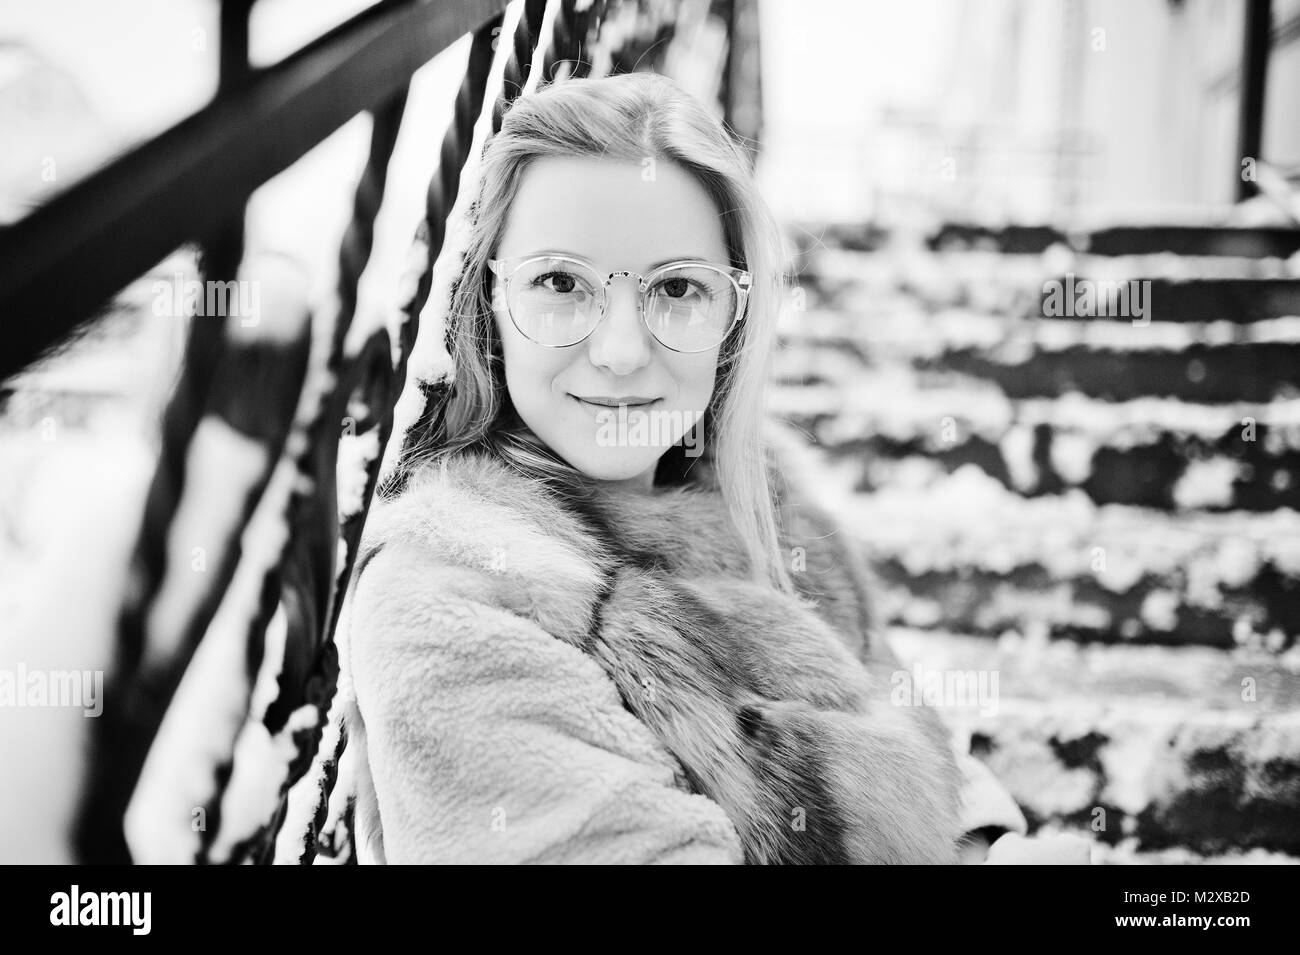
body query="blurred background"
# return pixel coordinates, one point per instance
(1103, 510)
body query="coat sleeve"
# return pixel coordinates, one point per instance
(986, 803)
(842, 574)
(488, 740)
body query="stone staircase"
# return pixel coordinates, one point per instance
(1102, 510)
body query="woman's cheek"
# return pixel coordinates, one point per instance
(696, 376)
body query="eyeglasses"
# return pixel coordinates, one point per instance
(557, 300)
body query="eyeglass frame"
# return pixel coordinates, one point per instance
(741, 279)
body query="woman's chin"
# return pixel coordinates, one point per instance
(610, 464)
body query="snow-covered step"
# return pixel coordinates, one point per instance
(899, 330)
(1143, 748)
(962, 551)
(1218, 373)
(1143, 298)
(1183, 240)
(1156, 452)
(1033, 669)
(1180, 288)
(1164, 474)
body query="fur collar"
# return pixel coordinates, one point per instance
(776, 706)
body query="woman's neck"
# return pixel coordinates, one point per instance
(643, 482)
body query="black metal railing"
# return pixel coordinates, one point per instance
(283, 388)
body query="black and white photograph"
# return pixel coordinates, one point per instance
(627, 432)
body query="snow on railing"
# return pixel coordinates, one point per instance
(221, 684)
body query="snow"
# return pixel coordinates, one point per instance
(355, 454)
(1071, 455)
(68, 524)
(202, 725)
(1160, 610)
(1017, 448)
(71, 504)
(930, 521)
(1207, 483)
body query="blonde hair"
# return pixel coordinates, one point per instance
(628, 117)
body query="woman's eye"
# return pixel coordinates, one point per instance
(677, 287)
(563, 282)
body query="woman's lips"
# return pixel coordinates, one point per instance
(611, 402)
(605, 403)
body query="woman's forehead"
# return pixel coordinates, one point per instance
(613, 213)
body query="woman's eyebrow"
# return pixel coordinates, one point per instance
(661, 262)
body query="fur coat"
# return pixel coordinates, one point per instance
(542, 681)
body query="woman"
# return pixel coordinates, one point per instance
(601, 621)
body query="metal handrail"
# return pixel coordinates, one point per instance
(112, 227)
(249, 133)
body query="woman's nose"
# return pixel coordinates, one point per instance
(621, 342)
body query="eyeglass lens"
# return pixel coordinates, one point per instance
(558, 302)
